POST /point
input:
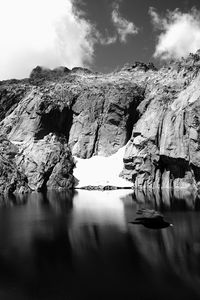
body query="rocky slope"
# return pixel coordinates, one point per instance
(59, 113)
(164, 148)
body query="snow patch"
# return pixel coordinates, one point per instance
(100, 170)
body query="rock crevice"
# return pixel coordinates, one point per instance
(163, 151)
(58, 113)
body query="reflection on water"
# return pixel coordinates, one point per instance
(99, 208)
(82, 246)
(168, 199)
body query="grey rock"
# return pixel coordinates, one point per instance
(163, 151)
(59, 113)
(47, 163)
(12, 179)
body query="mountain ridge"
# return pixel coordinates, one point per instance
(59, 113)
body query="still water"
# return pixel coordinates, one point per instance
(82, 246)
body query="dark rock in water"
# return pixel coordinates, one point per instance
(102, 187)
(149, 213)
(157, 223)
(82, 113)
(151, 219)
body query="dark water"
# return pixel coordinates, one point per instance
(82, 246)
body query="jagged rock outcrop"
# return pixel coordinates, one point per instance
(40, 73)
(103, 117)
(164, 148)
(47, 163)
(35, 126)
(58, 112)
(11, 178)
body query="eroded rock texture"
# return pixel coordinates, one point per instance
(37, 127)
(11, 178)
(59, 113)
(164, 148)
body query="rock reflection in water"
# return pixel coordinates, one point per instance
(175, 251)
(168, 199)
(81, 246)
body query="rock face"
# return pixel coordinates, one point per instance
(164, 148)
(11, 179)
(34, 127)
(59, 113)
(103, 118)
(47, 163)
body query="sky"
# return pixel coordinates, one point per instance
(98, 34)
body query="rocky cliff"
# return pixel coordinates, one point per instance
(164, 147)
(58, 113)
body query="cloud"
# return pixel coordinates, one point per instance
(157, 21)
(123, 26)
(179, 33)
(107, 40)
(51, 33)
(43, 32)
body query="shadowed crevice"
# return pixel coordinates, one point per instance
(55, 121)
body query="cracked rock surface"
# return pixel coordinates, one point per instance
(164, 151)
(58, 113)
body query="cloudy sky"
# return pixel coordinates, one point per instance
(99, 34)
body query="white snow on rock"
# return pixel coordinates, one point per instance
(100, 170)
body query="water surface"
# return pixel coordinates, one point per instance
(82, 246)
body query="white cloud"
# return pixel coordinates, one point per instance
(157, 21)
(107, 40)
(180, 33)
(42, 32)
(51, 33)
(123, 26)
